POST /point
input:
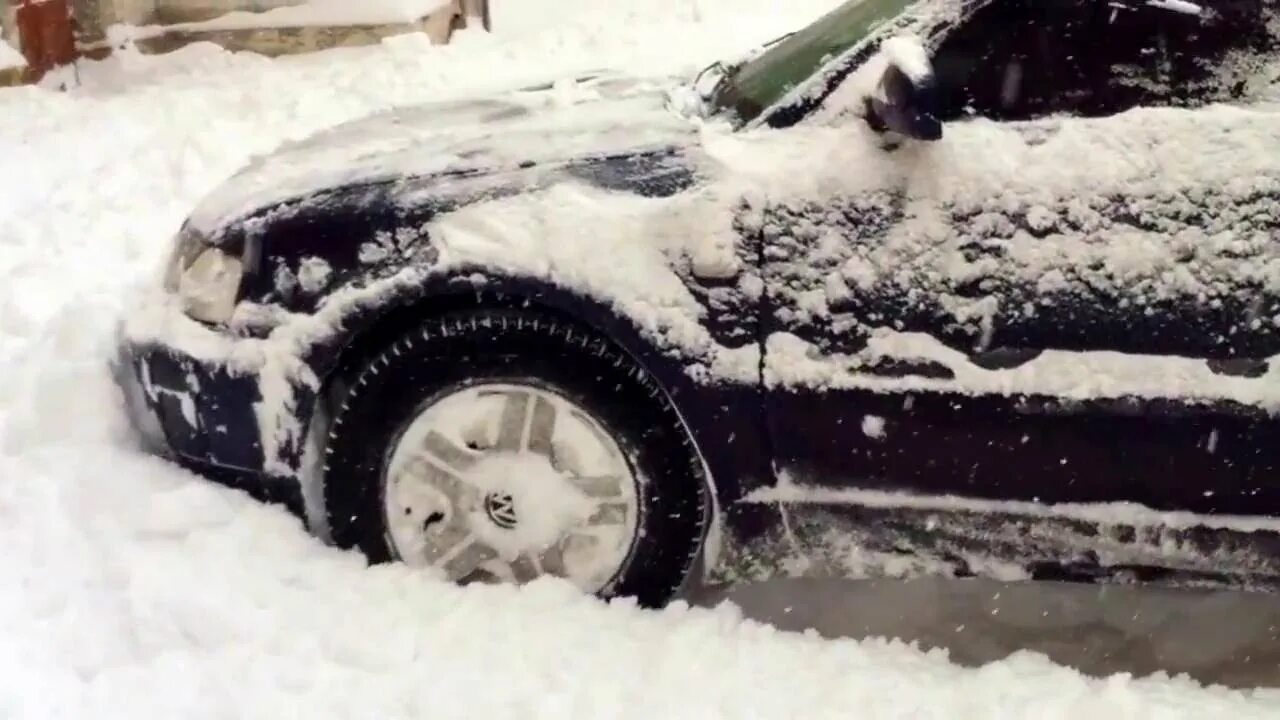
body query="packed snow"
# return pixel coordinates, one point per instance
(134, 589)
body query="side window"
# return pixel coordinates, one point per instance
(1019, 59)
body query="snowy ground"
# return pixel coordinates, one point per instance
(129, 588)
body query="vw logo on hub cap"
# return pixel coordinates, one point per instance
(501, 509)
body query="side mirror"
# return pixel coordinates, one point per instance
(906, 99)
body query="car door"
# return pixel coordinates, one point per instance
(1069, 299)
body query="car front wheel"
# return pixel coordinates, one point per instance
(503, 445)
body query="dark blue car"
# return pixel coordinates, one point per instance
(965, 287)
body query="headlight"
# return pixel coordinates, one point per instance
(206, 279)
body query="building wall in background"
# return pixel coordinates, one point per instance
(86, 35)
(8, 28)
(43, 30)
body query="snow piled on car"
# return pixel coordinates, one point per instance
(1162, 218)
(1155, 216)
(130, 588)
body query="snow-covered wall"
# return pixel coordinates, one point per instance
(267, 27)
(307, 11)
(104, 13)
(96, 16)
(168, 11)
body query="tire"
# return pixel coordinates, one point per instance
(457, 359)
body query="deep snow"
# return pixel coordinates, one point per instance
(130, 588)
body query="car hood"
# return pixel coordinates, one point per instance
(595, 116)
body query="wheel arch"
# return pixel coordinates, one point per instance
(370, 329)
(366, 332)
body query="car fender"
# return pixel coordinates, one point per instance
(371, 326)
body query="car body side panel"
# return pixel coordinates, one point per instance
(998, 322)
(1205, 459)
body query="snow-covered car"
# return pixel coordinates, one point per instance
(979, 287)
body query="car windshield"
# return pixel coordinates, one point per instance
(765, 79)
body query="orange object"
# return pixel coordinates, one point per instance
(45, 32)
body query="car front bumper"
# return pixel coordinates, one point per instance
(195, 410)
(200, 415)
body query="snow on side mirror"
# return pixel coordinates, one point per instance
(906, 98)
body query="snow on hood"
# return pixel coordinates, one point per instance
(566, 120)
